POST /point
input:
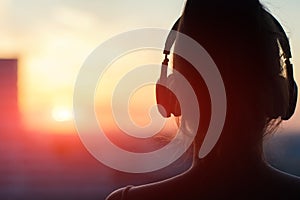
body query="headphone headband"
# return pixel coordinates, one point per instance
(277, 29)
(274, 27)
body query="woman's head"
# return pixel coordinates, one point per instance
(242, 41)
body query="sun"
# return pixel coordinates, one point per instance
(62, 114)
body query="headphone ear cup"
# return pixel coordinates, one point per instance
(162, 98)
(166, 98)
(293, 94)
(293, 91)
(280, 98)
(284, 98)
(173, 100)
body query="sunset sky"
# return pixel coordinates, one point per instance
(52, 39)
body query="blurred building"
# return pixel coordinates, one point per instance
(39, 165)
(9, 112)
(10, 137)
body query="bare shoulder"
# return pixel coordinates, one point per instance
(284, 183)
(116, 195)
(158, 190)
(285, 177)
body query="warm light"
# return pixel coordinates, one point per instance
(62, 114)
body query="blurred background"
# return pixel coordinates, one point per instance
(43, 44)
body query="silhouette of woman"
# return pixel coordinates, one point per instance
(252, 54)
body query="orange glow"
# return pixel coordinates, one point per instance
(46, 88)
(51, 51)
(62, 114)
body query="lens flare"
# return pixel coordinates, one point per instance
(61, 114)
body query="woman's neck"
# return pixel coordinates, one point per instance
(230, 159)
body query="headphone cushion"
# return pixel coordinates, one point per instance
(173, 100)
(167, 100)
(293, 95)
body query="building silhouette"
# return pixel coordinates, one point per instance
(37, 165)
(9, 112)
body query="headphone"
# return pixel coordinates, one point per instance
(285, 108)
(164, 96)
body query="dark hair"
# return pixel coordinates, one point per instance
(234, 34)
